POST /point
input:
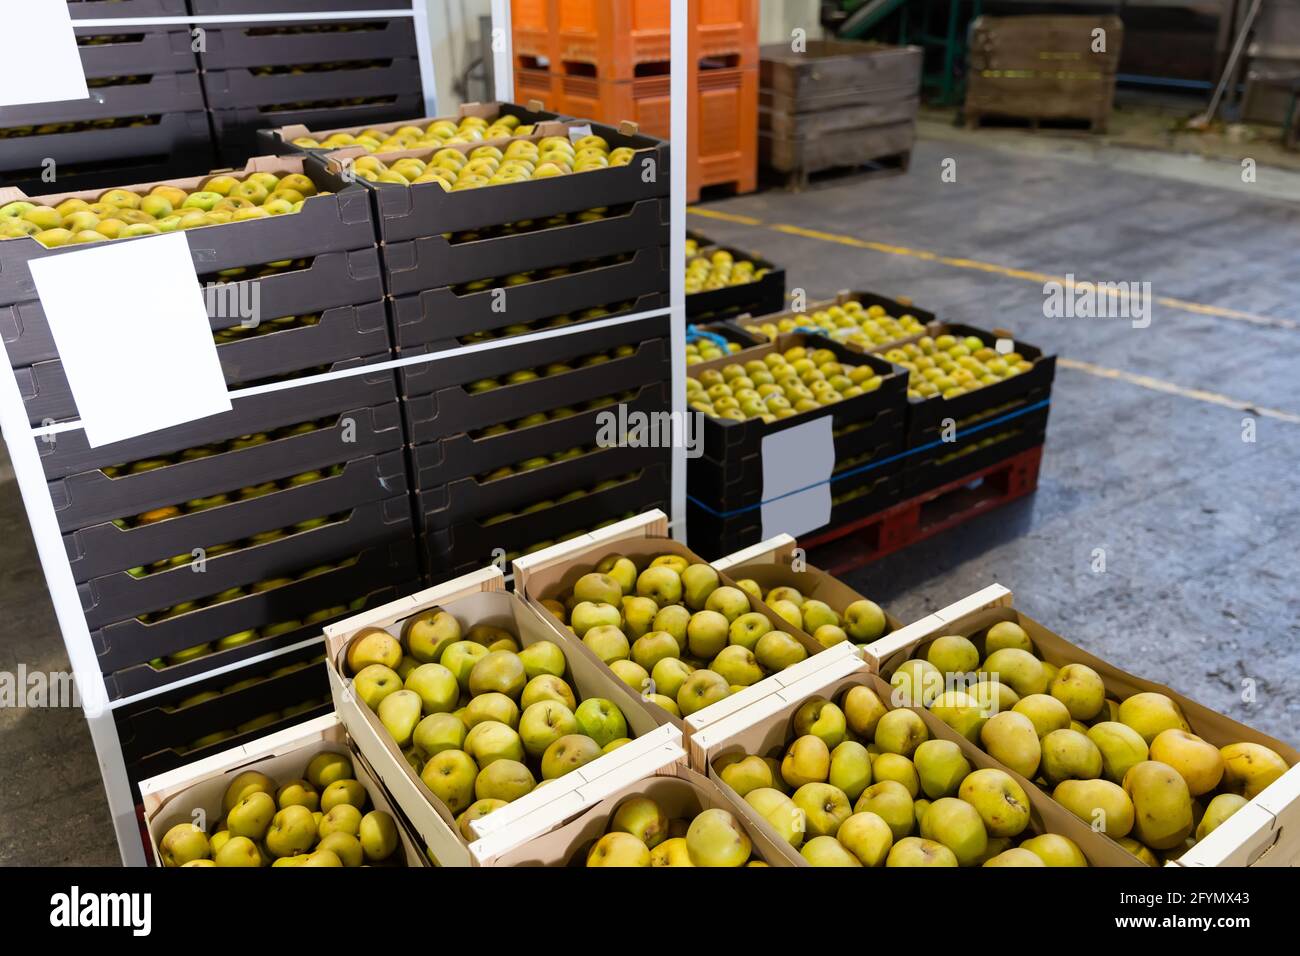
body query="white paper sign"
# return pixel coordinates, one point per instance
(133, 335)
(40, 63)
(578, 132)
(797, 466)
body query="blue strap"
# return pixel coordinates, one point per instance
(693, 333)
(853, 472)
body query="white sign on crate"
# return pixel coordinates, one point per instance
(133, 336)
(797, 465)
(44, 66)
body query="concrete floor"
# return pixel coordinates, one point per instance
(1199, 527)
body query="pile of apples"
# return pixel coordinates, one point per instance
(863, 785)
(706, 350)
(673, 632)
(320, 820)
(439, 133)
(522, 160)
(125, 214)
(865, 327)
(862, 622)
(641, 834)
(947, 366)
(719, 269)
(779, 385)
(479, 719)
(1132, 768)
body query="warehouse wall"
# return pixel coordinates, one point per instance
(779, 17)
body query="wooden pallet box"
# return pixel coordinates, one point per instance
(1043, 68)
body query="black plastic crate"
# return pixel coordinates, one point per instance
(118, 596)
(135, 51)
(926, 417)
(753, 298)
(104, 158)
(229, 7)
(426, 209)
(470, 499)
(279, 141)
(247, 45)
(68, 453)
(237, 131)
(461, 456)
(240, 87)
(443, 315)
(434, 261)
(893, 307)
(130, 644)
(468, 545)
(156, 733)
(162, 93)
(106, 548)
(93, 497)
(369, 582)
(107, 9)
(981, 444)
(339, 222)
(714, 535)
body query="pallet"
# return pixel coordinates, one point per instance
(852, 545)
(1097, 124)
(882, 167)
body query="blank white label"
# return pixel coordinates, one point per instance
(133, 335)
(797, 466)
(40, 62)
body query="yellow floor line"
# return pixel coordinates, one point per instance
(1169, 388)
(988, 267)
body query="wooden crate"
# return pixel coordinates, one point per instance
(831, 74)
(1043, 68)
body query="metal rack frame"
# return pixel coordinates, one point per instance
(30, 477)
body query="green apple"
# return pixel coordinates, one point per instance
(292, 831)
(246, 783)
(738, 666)
(673, 620)
(661, 584)
(779, 811)
(669, 675)
(619, 849)
(568, 753)
(900, 732)
(828, 635)
(1080, 689)
(788, 611)
(1019, 670)
(503, 780)
(543, 657)
(748, 773)
(819, 717)
(298, 793)
(698, 582)
(638, 615)
(898, 768)
(500, 672)
(450, 776)
(825, 808)
(251, 816)
(867, 837)
(941, 767)
(547, 687)
(621, 569)
(953, 654)
(343, 791)
(601, 720)
(239, 851)
(543, 723)
(746, 629)
(373, 645)
(916, 683)
(850, 768)
(429, 633)
(399, 712)
(808, 760)
(826, 851)
(652, 647)
(892, 802)
(716, 839)
(378, 836)
(1007, 634)
(750, 587)
(667, 703)
(493, 740)
(322, 858)
(1055, 850)
(863, 709)
(864, 621)
(957, 825)
(1010, 739)
(632, 674)
(700, 689)
(436, 686)
(587, 615)
(439, 732)
(1045, 713)
(345, 846)
(477, 811)
(492, 706)
(608, 643)
(327, 767)
(706, 634)
(1070, 755)
(818, 614)
(405, 668)
(730, 602)
(777, 650)
(1121, 747)
(962, 712)
(344, 818)
(183, 842)
(460, 657)
(643, 818)
(598, 589)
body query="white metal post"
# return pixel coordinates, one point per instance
(503, 51)
(678, 92)
(424, 50)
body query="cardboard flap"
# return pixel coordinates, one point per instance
(775, 550)
(649, 524)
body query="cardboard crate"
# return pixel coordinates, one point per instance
(983, 609)
(469, 542)
(237, 130)
(125, 647)
(562, 834)
(753, 298)
(237, 45)
(339, 222)
(426, 209)
(480, 598)
(136, 51)
(107, 549)
(765, 729)
(279, 141)
(435, 261)
(326, 282)
(118, 595)
(175, 797)
(67, 454)
(156, 733)
(442, 316)
(550, 572)
(163, 93)
(239, 87)
(1262, 833)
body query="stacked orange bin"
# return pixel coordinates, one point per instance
(609, 60)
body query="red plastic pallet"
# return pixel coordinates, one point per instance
(916, 519)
